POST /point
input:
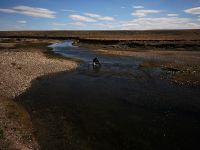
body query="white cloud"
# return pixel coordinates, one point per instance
(66, 24)
(56, 29)
(104, 26)
(172, 15)
(123, 7)
(7, 10)
(92, 15)
(30, 11)
(195, 10)
(198, 18)
(144, 12)
(69, 10)
(160, 23)
(145, 23)
(82, 18)
(12, 28)
(99, 17)
(138, 7)
(106, 19)
(59, 24)
(22, 21)
(80, 24)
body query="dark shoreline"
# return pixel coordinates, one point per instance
(109, 35)
(182, 45)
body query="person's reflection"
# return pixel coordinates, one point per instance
(96, 68)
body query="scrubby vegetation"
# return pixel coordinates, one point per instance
(109, 35)
(1, 134)
(181, 74)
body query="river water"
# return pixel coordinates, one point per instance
(119, 106)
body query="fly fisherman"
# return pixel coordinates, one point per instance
(96, 62)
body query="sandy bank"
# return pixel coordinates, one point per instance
(16, 131)
(18, 69)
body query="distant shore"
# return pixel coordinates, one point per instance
(137, 35)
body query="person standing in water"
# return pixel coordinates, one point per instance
(96, 64)
(96, 61)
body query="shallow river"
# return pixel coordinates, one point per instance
(119, 106)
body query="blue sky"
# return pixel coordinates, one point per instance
(99, 14)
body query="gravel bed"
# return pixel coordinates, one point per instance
(18, 69)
